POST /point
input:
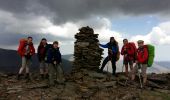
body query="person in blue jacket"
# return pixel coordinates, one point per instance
(54, 61)
(113, 52)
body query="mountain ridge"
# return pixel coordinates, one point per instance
(10, 61)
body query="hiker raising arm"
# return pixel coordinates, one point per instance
(113, 51)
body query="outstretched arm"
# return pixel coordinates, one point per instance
(104, 46)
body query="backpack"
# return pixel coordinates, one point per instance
(22, 42)
(133, 46)
(151, 54)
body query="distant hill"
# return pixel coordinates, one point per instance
(164, 63)
(10, 61)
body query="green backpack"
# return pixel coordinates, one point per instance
(151, 54)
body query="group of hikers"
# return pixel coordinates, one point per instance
(50, 58)
(135, 58)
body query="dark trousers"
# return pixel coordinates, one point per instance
(113, 60)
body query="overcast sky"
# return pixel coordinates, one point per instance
(60, 20)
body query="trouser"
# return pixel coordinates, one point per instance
(26, 63)
(106, 60)
(143, 68)
(128, 63)
(55, 73)
(43, 67)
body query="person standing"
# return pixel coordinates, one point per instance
(129, 55)
(113, 54)
(26, 50)
(54, 60)
(141, 62)
(41, 53)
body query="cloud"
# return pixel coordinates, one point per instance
(159, 35)
(63, 11)
(61, 19)
(14, 28)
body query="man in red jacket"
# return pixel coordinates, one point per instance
(26, 50)
(141, 62)
(128, 53)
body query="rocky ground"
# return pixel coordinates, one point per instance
(85, 85)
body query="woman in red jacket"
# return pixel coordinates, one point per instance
(25, 50)
(141, 63)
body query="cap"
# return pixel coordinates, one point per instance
(140, 41)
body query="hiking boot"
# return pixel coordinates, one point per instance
(19, 76)
(42, 76)
(114, 74)
(100, 71)
(46, 76)
(27, 76)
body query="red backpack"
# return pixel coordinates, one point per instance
(134, 49)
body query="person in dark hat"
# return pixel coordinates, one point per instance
(113, 54)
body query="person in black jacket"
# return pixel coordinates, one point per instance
(54, 60)
(41, 53)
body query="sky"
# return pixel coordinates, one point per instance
(60, 20)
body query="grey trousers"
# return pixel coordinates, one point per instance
(143, 68)
(55, 73)
(26, 63)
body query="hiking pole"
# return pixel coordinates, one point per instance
(139, 77)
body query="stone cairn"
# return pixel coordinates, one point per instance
(87, 53)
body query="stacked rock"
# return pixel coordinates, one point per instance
(87, 53)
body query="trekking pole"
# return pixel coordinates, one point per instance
(139, 77)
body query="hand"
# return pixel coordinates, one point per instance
(136, 61)
(126, 55)
(110, 50)
(55, 62)
(25, 53)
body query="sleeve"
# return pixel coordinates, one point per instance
(33, 50)
(60, 58)
(118, 48)
(49, 56)
(38, 51)
(104, 46)
(122, 51)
